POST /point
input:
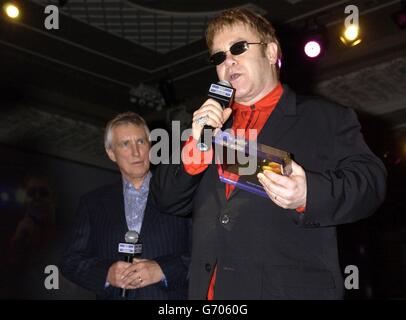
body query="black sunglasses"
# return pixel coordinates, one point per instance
(236, 49)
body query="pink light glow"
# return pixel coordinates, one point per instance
(312, 49)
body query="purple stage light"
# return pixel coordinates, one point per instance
(312, 49)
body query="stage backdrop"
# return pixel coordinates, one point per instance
(39, 195)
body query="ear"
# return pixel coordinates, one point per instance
(111, 155)
(272, 52)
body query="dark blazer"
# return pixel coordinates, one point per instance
(263, 251)
(101, 225)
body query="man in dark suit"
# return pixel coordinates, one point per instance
(106, 214)
(282, 246)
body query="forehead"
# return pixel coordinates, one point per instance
(229, 34)
(127, 131)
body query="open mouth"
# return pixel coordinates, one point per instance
(235, 76)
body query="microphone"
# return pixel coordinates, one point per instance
(223, 93)
(130, 248)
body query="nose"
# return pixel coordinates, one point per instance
(230, 59)
(135, 150)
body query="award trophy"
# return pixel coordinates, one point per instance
(241, 160)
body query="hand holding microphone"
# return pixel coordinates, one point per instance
(143, 272)
(213, 113)
(131, 248)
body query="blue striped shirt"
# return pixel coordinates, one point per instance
(135, 202)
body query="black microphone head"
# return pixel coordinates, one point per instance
(131, 236)
(222, 92)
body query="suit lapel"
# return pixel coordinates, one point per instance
(281, 120)
(113, 202)
(150, 217)
(219, 185)
(214, 174)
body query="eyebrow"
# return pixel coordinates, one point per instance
(123, 141)
(130, 139)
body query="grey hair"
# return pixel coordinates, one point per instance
(122, 119)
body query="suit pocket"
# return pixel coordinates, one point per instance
(238, 279)
(293, 282)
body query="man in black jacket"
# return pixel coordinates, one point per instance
(283, 246)
(106, 214)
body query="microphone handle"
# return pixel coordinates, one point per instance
(123, 291)
(202, 145)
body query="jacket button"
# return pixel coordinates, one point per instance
(207, 267)
(225, 219)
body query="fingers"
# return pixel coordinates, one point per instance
(131, 278)
(272, 188)
(286, 192)
(115, 272)
(211, 114)
(131, 275)
(131, 269)
(144, 273)
(134, 281)
(275, 192)
(297, 169)
(227, 113)
(135, 276)
(275, 181)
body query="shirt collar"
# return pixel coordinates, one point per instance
(269, 101)
(144, 187)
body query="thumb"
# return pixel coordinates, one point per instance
(297, 170)
(226, 113)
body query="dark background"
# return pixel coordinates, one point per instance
(58, 88)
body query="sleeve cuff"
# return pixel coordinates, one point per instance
(164, 282)
(301, 209)
(195, 161)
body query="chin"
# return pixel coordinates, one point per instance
(241, 98)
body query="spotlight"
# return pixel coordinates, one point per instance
(400, 17)
(351, 36)
(315, 42)
(312, 49)
(11, 10)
